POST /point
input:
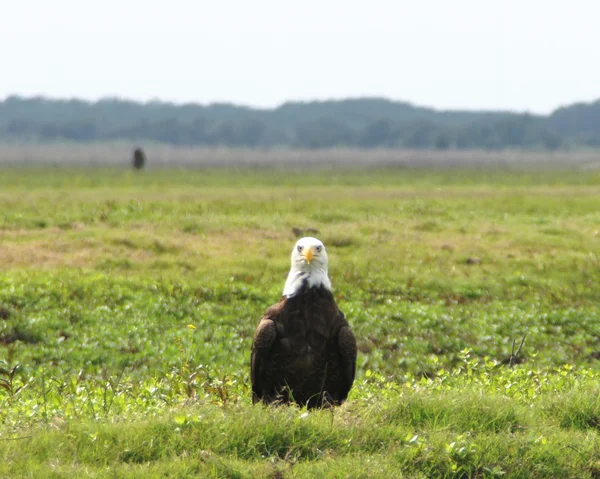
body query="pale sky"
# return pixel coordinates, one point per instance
(527, 55)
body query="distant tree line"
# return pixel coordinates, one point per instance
(363, 123)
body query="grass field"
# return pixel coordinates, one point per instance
(128, 302)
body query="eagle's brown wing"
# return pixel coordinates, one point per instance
(264, 337)
(346, 343)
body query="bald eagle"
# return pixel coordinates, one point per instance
(303, 350)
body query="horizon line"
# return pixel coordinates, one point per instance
(175, 103)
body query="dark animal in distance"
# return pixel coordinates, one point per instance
(303, 349)
(139, 159)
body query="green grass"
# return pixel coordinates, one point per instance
(128, 302)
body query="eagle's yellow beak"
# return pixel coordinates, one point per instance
(309, 254)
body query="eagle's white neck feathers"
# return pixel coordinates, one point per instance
(309, 265)
(296, 279)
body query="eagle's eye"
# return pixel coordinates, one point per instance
(299, 248)
(319, 248)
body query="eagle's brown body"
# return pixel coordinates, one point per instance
(303, 351)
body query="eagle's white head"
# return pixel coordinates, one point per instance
(309, 263)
